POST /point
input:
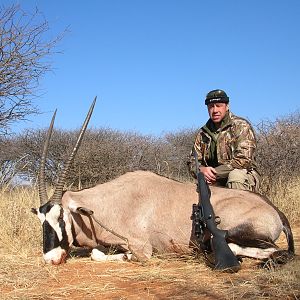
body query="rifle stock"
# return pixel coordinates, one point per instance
(224, 257)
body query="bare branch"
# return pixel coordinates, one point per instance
(25, 54)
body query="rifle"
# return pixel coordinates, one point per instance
(204, 214)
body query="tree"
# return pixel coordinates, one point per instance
(25, 51)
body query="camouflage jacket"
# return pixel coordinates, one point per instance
(234, 141)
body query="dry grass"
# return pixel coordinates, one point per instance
(15, 220)
(23, 274)
(158, 279)
(286, 196)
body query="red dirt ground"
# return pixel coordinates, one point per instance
(185, 278)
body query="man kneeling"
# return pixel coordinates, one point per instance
(226, 147)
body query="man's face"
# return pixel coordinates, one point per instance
(217, 111)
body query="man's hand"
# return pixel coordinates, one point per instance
(210, 174)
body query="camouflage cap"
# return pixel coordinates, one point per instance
(216, 96)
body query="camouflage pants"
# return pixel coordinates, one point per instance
(242, 179)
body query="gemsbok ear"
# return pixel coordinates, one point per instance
(34, 211)
(84, 211)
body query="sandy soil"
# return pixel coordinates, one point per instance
(160, 278)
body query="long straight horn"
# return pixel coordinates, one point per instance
(41, 179)
(57, 195)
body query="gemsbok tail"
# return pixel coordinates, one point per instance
(283, 256)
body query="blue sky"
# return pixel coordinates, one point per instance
(152, 62)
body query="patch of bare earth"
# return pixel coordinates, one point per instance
(160, 278)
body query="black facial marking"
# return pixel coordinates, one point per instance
(45, 208)
(64, 243)
(50, 238)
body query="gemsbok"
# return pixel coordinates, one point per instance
(141, 213)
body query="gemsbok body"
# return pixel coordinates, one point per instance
(141, 213)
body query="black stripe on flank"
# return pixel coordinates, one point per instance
(245, 236)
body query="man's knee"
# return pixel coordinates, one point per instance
(241, 179)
